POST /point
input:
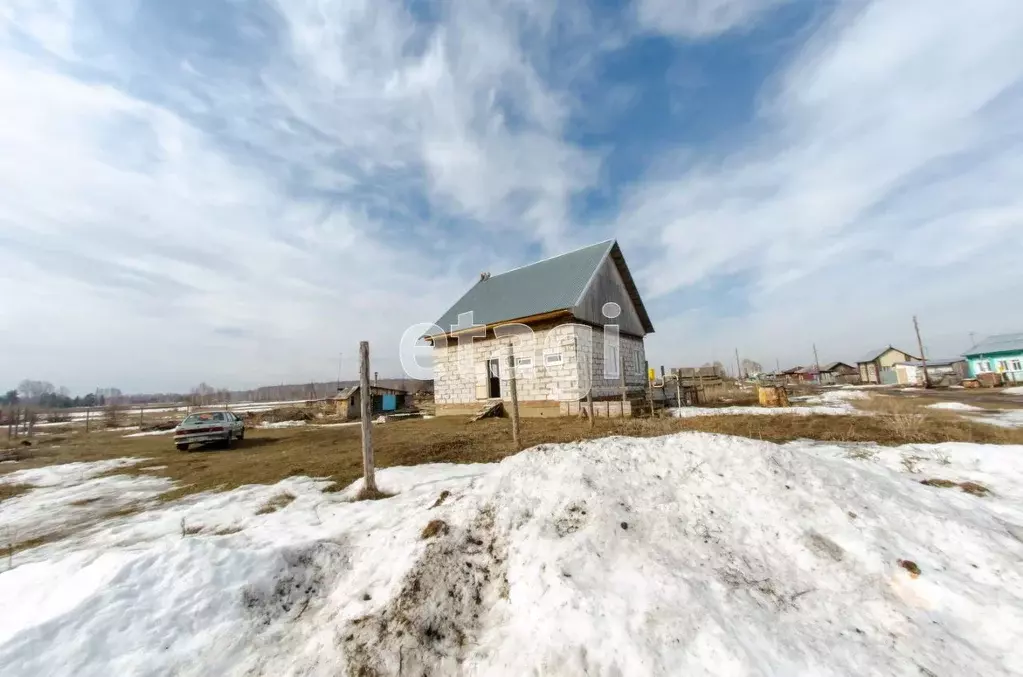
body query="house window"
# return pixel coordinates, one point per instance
(1003, 365)
(1016, 366)
(983, 366)
(523, 365)
(637, 357)
(552, 359)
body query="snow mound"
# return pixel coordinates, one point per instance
(954, 406)
(1015, 390)
(688, 554)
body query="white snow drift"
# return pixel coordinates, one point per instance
(689, 554)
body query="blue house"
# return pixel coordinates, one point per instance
(1000, 354)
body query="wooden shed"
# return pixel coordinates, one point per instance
(347, 403)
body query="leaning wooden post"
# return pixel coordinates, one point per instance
(621, 378)
(514, 391)
(142, 408)
(88, 410)
(365, 408)
(589, 403)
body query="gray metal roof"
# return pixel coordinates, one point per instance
(543, 287)
(998, 343)
(873, 355)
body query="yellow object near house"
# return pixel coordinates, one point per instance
(651, 375)
(773, 396)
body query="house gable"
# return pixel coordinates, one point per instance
(607, 286)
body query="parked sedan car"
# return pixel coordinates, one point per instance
(208, 427)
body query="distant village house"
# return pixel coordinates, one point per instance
(1001, 355)
(878, 366)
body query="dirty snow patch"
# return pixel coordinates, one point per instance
(281, 424)
(66, 497)
(1015, 390)
(954, 406)
(1003, 418)
(151, 433)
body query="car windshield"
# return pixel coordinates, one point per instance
(203, 418)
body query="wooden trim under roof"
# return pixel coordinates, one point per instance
(531, 319)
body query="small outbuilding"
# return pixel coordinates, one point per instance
(878, 366)
(944, 372)
(348, 403)
(838, 372)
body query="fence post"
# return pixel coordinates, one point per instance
(589, 403)
(142, 408)
(621, 378)
(513, 388)
(365, 408)
(88, 411)
(649, 386)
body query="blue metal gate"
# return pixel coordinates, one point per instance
(390, 402)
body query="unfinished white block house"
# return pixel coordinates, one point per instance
(573, 322)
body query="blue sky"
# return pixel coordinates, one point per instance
(238, 191)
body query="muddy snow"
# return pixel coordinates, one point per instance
(689, 554)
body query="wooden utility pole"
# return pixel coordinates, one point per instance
(923, 358)
(369, 484)
(738, 366)
(88, 411)
(514, 392)
(142, 408)
(817, 363)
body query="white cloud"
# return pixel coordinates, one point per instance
(240, 212)
(885, 182)
(701, 19)
(151, 252)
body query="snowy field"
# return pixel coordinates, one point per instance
(1003, 418)
(691, 554)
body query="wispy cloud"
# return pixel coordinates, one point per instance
(884, 181)
(701, 19)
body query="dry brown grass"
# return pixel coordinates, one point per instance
(367, 494)
(910, 420)
(12, 490)
(433, 528)
(974, 488)
(267, 456)
(275, 503)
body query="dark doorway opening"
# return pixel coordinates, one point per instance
(494, 378)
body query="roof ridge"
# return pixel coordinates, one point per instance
(551, 258)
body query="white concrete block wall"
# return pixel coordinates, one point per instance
(591, 352)
(458, 370)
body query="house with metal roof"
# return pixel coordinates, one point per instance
(878, 366)
(571, 324)
(999, 354)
